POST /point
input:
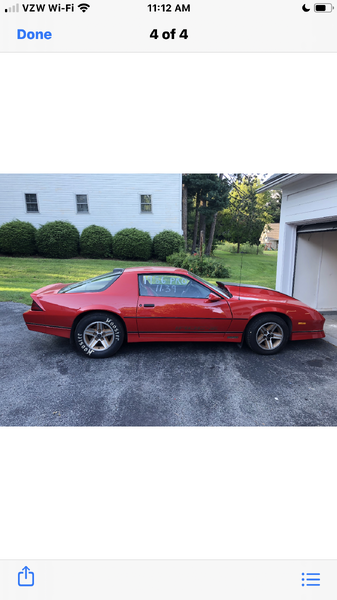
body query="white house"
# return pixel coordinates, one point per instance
(307, 259)
(151, 202)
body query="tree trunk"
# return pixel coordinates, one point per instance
(184, 214)
(211, 236)
(196, 223)
(201, 242)
(202, 229)
(238, 250)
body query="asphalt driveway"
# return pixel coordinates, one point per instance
(43, 381)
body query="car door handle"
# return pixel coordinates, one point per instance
(148, 305)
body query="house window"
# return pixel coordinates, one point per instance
(31, 203)
(145, 203)
(82, 203)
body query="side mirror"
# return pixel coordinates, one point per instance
(212, 298)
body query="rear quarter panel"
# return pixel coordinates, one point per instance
(60, 310)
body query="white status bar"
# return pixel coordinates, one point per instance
(195, 26)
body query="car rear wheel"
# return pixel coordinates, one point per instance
(99, 335)
(267, 334)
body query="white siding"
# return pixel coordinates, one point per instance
(312, 199)
(114, 200)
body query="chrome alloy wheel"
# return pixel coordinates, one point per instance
(99, 336)
(269, 336)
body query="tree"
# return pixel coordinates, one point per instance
(210, 194)
(247, 213)
(198, 186)
(274, 205)
(217, 200)
(184, 213)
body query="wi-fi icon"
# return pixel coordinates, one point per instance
(83, 7)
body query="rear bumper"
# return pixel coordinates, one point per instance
(51, 329)
(33, 320)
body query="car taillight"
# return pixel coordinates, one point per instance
(35, 306)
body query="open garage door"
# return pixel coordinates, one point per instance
(315, 278)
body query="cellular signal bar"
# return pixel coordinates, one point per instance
(12, 9)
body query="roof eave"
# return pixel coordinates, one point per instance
(277, 183)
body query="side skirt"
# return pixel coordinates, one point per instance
(183, 337)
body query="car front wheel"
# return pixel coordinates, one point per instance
(267, 334)
(99, 335)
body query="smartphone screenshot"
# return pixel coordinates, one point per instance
(168, 300)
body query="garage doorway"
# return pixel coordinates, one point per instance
(315, 277)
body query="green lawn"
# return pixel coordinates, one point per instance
(21, 276)
(258, 269)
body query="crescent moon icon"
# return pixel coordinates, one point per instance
(305, 8)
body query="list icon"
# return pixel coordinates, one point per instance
(311, 579)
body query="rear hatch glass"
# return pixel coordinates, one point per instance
(96, 284)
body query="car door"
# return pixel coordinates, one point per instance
(171, 306)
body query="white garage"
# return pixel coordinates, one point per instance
(315, 273)
(307, 258)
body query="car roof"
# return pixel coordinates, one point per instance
(158, 269)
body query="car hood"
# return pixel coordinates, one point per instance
(258, 293)
(245, 290)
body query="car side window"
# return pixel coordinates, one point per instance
(171, 286)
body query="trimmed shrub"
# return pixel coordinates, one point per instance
(132, 244)
(57, 239)
(177, 259)
(199, 265)
(96, 242)
(167, 242)
(17, 238)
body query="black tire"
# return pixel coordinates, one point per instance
(267, 334)
(99, 335)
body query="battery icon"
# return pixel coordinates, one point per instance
(326, 8)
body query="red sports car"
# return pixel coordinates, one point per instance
(168, 304)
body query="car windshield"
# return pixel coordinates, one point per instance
(216, 288)
(96, 284)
